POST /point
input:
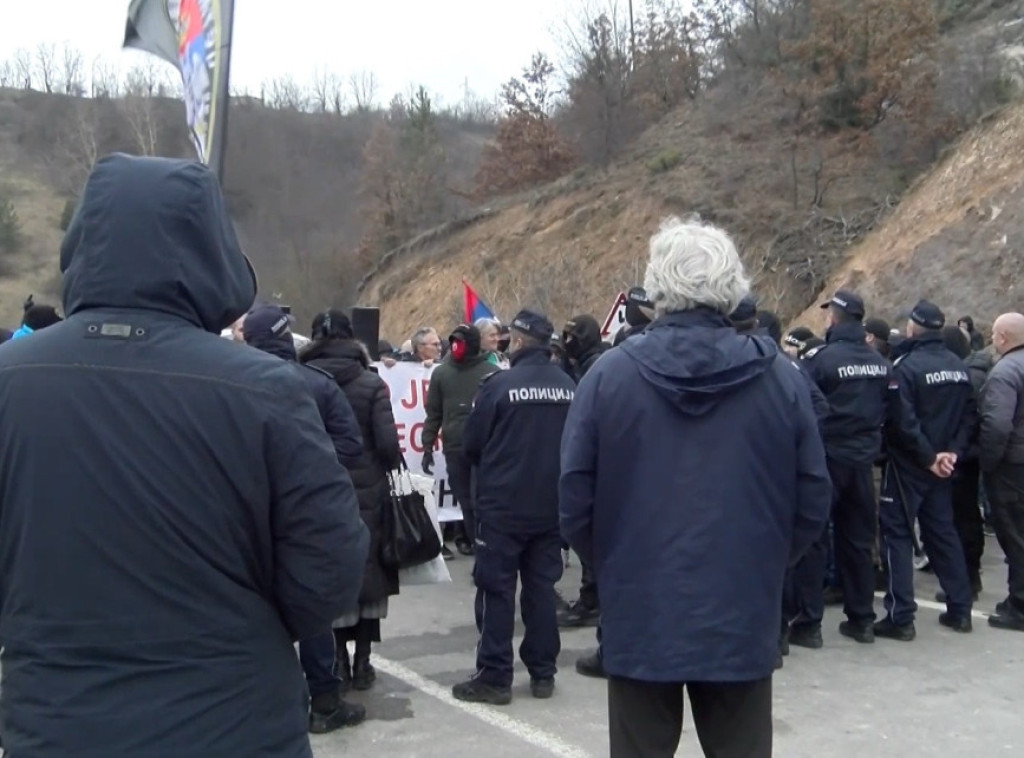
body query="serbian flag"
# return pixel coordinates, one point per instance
(475, 308)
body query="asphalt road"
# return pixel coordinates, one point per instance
(942, 695)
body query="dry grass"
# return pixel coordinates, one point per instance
(955, 239)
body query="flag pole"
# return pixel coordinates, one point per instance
(219, 141)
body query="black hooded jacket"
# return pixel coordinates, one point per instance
(172, 515)
(347, 363)
(335, 411)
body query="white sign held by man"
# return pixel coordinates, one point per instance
(408, 384)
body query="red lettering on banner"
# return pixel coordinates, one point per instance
(401, 436)
(412, 400)
(416, 437)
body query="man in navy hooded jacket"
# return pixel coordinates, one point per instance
(693, 475)
(173, 516)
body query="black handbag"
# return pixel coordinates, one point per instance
(408, 535)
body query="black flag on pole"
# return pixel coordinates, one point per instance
(195, 37)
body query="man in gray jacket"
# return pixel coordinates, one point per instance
(1001, 444)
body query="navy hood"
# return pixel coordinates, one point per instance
(153, 234)
(695, 358)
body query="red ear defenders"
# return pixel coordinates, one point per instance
(459, 349)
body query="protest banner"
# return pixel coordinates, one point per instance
(408, 384)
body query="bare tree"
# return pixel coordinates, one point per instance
(285, 94)
(77, 145)
(144, 80)
(72, 74)
(46, 65)
(105, 79)
(8, 77)
(23, 68)
(364, 86)
(140, 113)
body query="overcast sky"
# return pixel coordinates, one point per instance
(440, 44)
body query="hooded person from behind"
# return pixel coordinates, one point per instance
(200, 523)
(690, 558)
(267, 328)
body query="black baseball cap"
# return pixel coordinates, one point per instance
(534, 324)
(846, 301)
(928, 315)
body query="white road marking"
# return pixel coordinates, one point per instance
(536, 737)
(938, 606)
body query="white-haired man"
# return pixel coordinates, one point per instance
(718, 482)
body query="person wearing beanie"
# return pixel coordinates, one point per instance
(267, 328)
(855, 380)
(927, 440)
(335, 350)
(453, 386)
(877, 335)
(36, 318)
(512, 438)
(581, 339)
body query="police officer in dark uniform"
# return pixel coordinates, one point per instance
(932, 419)
(512, 438)
(854, 379)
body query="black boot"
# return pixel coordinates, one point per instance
(343, 666)
(329, 712)
(363, 675)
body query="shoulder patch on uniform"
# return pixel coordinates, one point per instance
(813, 351)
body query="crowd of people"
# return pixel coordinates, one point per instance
(216, 505)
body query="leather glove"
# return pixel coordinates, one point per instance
(428, 462)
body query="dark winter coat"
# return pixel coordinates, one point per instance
(693, 475)
(368, 395)
(932, 407)
(512, 436)
(450, 399)
(1001, 438)
(335, 411)
(172, 515)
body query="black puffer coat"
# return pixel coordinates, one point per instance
(348, 363)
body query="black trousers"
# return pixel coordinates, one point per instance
(967, 518)
(502, 558)
(460, 479)
(853, 512)
(733, 719)
(1005, 488)
(588, 586)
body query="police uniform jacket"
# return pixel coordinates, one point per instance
(854, 378)
(512, 436)
(933, 408)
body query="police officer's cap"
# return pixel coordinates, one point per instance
(533, 324)
(846, 301)
(928, 315)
